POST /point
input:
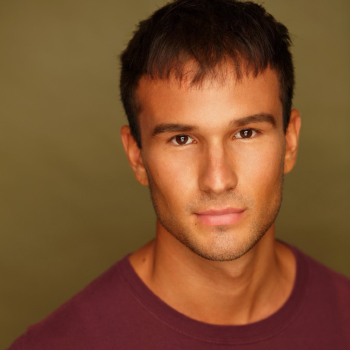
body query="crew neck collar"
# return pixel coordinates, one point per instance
(219, 334)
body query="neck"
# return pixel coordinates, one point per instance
(237, 292)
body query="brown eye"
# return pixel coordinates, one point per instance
(245, 134)
(182, 140)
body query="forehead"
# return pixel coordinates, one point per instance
(169, 100)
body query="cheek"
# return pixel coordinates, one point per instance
(174, 176)
(259, 169)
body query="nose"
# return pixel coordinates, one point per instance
(217, 173)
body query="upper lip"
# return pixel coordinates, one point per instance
(220, 211)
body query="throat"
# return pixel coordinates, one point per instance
(212, 295)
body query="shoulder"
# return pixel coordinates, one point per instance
(326, 288)
(84, 316)
(324, 276)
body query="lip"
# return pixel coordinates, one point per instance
(220, 217)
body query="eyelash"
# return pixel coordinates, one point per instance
(176, 144)
(248, 129)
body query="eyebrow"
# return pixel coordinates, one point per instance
(168, 127)
(256, 118)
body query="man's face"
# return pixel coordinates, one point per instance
(213, 157)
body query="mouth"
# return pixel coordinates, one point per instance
(221, 217)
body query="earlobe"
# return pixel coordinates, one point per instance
(133, 153)
(292, 141)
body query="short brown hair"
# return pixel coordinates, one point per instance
(208, 32)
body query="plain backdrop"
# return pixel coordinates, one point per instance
(70, 206)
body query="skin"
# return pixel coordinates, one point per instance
(227, 274)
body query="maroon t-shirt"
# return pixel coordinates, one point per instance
(117, 311)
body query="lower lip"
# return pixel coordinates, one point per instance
(220, 220)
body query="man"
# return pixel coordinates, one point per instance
(207, 86)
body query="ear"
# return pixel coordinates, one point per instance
(133, 153)
(292, 141)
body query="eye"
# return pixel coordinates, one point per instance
(181, 140)
(246, 134)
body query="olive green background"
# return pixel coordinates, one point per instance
(70, 206)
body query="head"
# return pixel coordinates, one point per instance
(207, 87)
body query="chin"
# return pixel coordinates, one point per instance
(223, 246)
